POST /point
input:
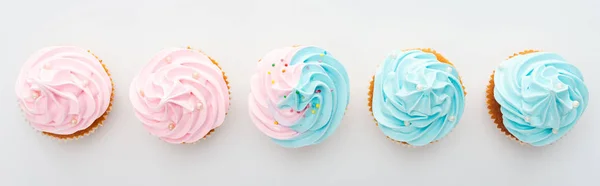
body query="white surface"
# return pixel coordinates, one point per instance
(473, 34)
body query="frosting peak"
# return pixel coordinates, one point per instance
(298, 95)
(180, 96)
(416, 98)
(541, 96)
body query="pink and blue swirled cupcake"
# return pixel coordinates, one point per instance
(416, 97)
(536, 97)
(65, 92)
(298, 95)
(181, 95)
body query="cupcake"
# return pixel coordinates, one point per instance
(64, 91)
(416, 97)
(181, 95)
(536, 97)
(298, 95)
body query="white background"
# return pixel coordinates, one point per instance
(475, 35)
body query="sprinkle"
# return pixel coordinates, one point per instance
(297, 92)
(555, 131)
(269, 72)
(320, 61)
(273, 65)
(272, 81)
(142, 93)
(284, 97)
(283, 71)
(286, 64)
(171, 126)
(298, 112)
(276, 123)
(318, 91)
(575, 104)
(318, 105)
(321, 55)
(313, 111)
(74, 121)
(451, 118)
(291, 110)
(406, 123)
(195, 75)
(331, 90)
(35, 95)
(189, 47)
(281, 60)
(325, 52)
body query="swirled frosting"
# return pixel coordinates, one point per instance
(541, 96)
(298, 95)
(63, 89)
(180, 95)
(416, 98)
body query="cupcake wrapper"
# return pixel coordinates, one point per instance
(98, 122)
(494, 107)
(372, 86)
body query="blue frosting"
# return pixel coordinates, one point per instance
(541, 96)
(324, 88)
(416, 98)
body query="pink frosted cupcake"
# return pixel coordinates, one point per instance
(181, 96)
(65, 92)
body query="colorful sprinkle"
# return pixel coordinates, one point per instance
(281, 60)
(331, 90)
(286, 64)
(276, 123)
(171, 126)
(313, 111)
(320, 61)
(283, 71)
(273, 65)
(272, 81)
(291, 110)
(321, 55)
(318, 105)
(269, 72)
(318, 91)
(325, 52)
(284, 97)
(298, 112)
(297, 92)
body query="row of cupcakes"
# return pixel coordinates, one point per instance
(299, 95)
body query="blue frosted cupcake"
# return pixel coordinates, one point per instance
(536, 97)
(416, 97)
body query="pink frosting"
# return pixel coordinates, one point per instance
(63, 89)
(269, 86)
(180, 96)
